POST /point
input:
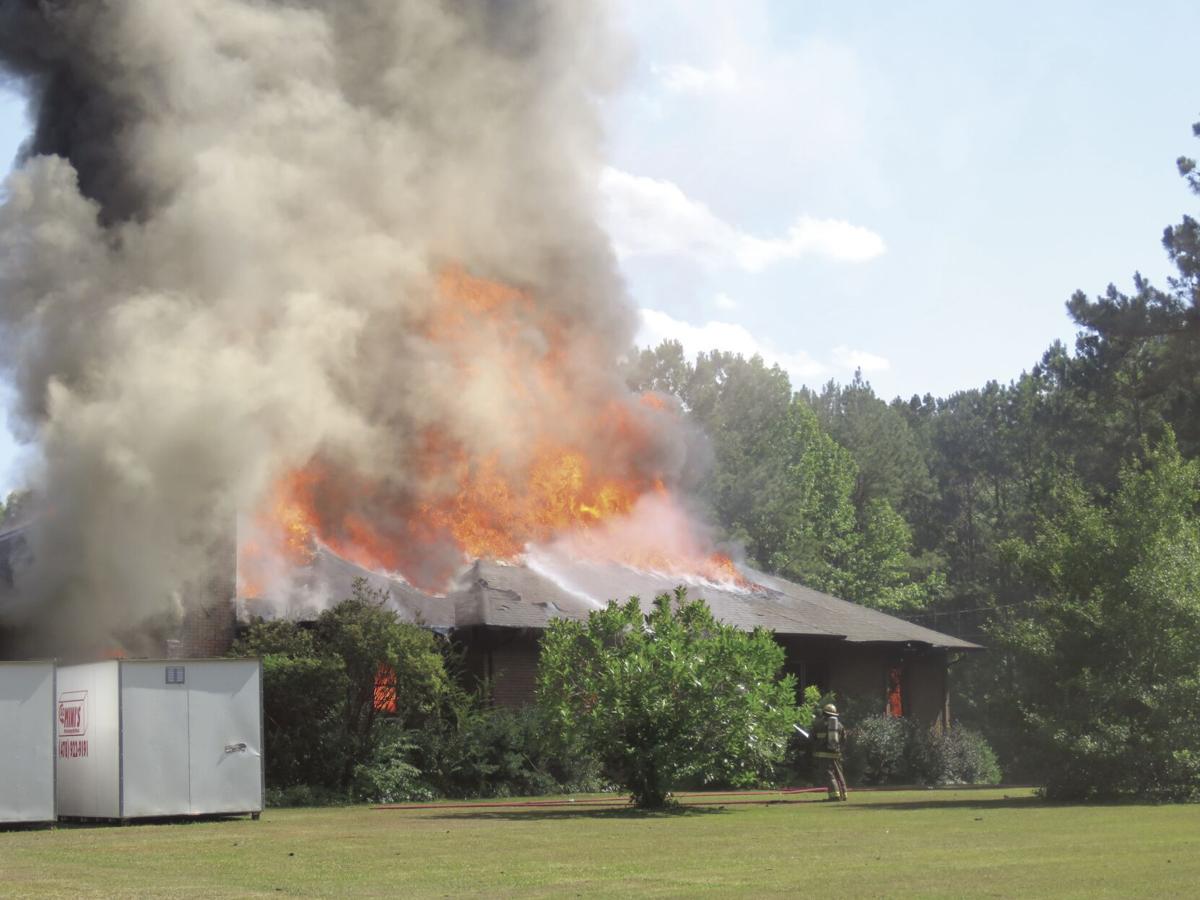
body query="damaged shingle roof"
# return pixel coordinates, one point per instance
(518, 596)
(526, 595)
(331, 576)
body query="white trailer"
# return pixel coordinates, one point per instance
(148, 738)
(27, 743)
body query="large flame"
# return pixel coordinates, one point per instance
(585, 463)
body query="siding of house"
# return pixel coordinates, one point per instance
(927, 688)
(509, 659)
(514, 672)
(863, 672)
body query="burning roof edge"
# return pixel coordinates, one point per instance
(517, 595)
(502, 595)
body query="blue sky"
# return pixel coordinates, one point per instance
(1004, 154)
(914, 188)
(13, 129)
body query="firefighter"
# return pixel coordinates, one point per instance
(827, 739)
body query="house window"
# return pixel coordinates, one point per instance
(895, 692)
(385, 689)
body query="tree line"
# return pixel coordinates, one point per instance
(1053, 518)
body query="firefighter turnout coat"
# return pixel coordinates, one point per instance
(827, 737)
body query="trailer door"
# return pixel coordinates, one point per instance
(154, 740)
(226, 736)
(27, 752)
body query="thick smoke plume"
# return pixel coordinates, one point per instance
(221, 249)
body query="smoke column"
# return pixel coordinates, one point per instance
(224, 229)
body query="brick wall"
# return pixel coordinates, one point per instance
(514, 672)
(206, 630)
(927, 690)
(209, 614)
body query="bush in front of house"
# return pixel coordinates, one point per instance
(956, 755)
(892, 750)
(330, 740)
(880, 750)
(321, 717)
(390, 776)
(667, 698)
(502, 752)
(479, 752)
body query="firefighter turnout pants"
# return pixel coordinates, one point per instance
(836, 778)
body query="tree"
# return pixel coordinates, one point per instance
(1107, 655)
(1140, 352)
(15, 507)
(302, 694)
(782, 487)
(808, 528)
(319, 686)
(668, 698)
(890, 464)
(369, 639)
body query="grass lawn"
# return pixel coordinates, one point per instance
(913, 843)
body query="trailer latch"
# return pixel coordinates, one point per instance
(239, 747)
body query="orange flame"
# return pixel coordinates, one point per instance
(589, 459)
(290, 525)
(384, 696)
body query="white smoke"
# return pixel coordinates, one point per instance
(224, 228)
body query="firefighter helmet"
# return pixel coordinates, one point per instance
(829, 709)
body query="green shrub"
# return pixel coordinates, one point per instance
(321, 719)
(305, 743)
(327, 740)
(499, 752)
(390, 780)
(667, 698)
(880, 750)
(957, 755)
(887, 750)
(390, 776)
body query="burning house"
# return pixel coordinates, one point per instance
(497, 611)
(333, 271)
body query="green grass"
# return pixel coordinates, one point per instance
(913, 843)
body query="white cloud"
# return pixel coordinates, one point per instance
(833, 238)
(657, 326)
(653, 217)
(687, 79)
(794, 99)
(848, 359)
(724, 301)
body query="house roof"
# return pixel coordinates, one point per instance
(861, 624)
(331, 577)
(531, 594)
(491, 593)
